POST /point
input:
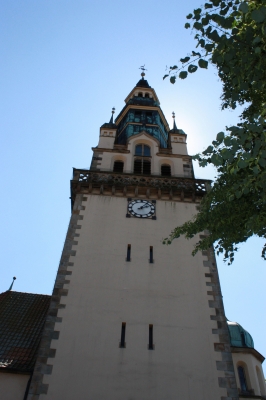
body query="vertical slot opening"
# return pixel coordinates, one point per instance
(123, 335)
(151, 254)
(128, 252)
(150, 346)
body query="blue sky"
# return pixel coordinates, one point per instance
(65, 64)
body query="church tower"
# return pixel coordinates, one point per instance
(131, 318)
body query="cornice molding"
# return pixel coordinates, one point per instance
(248, 350)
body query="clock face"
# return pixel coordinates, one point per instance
(141, 208)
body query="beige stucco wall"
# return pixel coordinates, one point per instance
(105, 290)
(251, 365)
(13, 386)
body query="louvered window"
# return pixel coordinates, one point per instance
(118, 166)
(142, 163)
(166, 170)
(142, 166)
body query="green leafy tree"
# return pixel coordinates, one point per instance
(231, 35)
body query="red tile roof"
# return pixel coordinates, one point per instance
(22, 317)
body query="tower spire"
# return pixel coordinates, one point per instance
(112, 117)
(14, 278)
(174, 124)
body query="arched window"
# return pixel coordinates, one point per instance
(118, 166)
(143, 150)
(147, 95)
(140, 94)
(242, 378)
(261, 383)
(165, 170)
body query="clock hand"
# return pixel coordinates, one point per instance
(140, 208)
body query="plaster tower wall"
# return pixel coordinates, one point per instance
(115, 274)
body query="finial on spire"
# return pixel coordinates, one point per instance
(112, 117)
(174, 124)
(143, 69)
(14, 278)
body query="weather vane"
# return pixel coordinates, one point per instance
(143, 69)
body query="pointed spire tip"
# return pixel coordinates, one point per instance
(112, 117)
(174, 124)
(14, 278)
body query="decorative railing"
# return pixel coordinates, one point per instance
(199, 186)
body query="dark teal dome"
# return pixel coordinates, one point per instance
(239, 337)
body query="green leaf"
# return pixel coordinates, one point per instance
(242, 164)
(220, 137)
(194, 54)
(172, 79)
(174, 67)
(197, 25)
(227, 141)
(208, 150)
(243, 7)
(187, 25)
(165, 76)
(258, 15)
(203, 63)
(201, 42)
(214, 36)
(192, 68)
(207, 5)
(216, 2)
(209, 47)
(183, 75)
(184, 60)
(256, 40)
(216, 160)
(262, 162)
(197, 11)
(189, 16)
(256, 170)
(205, 21)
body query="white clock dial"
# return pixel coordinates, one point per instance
(141, 208)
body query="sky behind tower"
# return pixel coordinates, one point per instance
(65, 64)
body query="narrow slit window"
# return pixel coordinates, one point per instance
(242, 379)
(151, 346)
(137, 116)
(128, 252)
(138, 166)
(123, 336)
(151, 254)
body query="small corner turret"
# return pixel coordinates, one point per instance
(108, 133)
